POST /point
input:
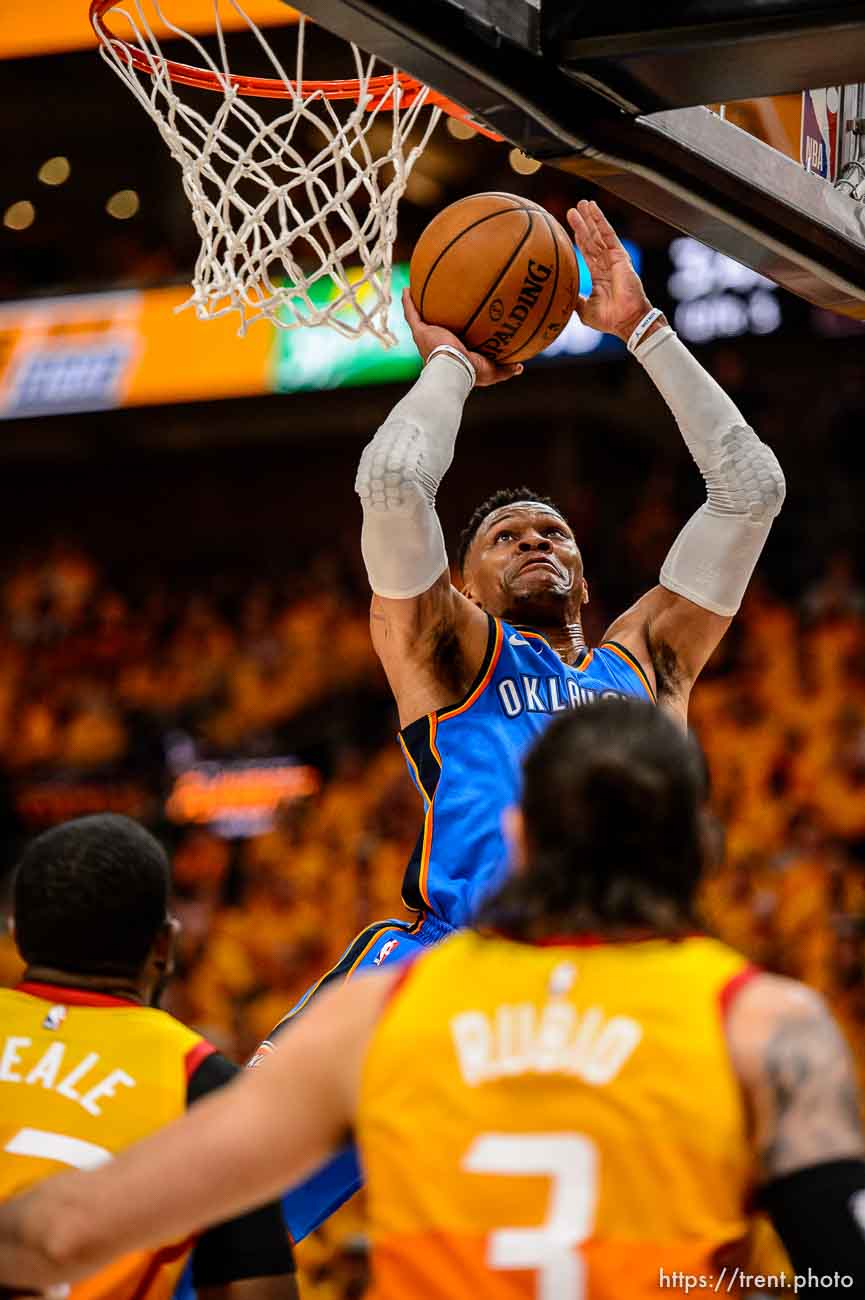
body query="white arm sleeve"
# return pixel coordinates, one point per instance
(398, 477)
(712, 559)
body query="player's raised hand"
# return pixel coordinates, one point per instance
(618, 300)
(428, 337)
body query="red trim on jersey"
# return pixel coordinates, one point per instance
(601, 940)
(734, 986)
(196, 1055)
(73, 997)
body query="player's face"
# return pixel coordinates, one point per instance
(525, 564)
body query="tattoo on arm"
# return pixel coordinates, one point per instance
(813, 1102)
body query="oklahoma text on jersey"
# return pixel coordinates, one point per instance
(465, 759)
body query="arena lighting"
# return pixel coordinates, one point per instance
(522, 163)
(54, 171)
(18, 216)
(717, 298)
(423, 190)
(123, 205)
(460, 130)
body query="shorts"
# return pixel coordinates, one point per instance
(391, 942)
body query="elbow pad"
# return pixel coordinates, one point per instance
(712, 559)
(397, 479)
(747, 480)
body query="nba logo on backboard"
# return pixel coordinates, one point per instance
(820, 135)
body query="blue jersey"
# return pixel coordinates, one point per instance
(465, 759)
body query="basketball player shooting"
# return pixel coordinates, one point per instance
(478, 672)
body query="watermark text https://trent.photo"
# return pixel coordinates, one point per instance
(734, 1281)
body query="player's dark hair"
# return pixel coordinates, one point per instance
(613, 802)
(503, 497)
(90, 896)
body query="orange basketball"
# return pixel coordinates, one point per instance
(499, 272)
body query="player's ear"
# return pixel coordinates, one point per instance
(467, 590)
(514, 827)
(165, 947)
(585, 599)
(10, 926)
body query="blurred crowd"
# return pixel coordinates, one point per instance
(108, 692)
(108, 696)
(781, 714)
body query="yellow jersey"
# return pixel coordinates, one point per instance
(83, 1075)
(559, 1121)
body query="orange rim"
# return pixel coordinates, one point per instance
(380, 88)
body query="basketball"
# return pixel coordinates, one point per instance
(499, 272)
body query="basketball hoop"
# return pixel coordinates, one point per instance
(291, 237)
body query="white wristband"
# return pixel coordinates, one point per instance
(458, 356)
(649, 319)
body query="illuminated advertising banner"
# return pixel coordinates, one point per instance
(320, 358)
(312, 359)
(239, 797)
(51, 800)
(93, 352)
(717, 298)
(97, 351)
(234, 798)
(27, 28)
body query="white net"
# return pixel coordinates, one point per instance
(296, 204)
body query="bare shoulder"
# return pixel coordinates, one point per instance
(798, 1076)
(672, 638)
(431, 646)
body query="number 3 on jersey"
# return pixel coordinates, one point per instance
(571, 1163)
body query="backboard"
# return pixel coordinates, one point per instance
(618, 94)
